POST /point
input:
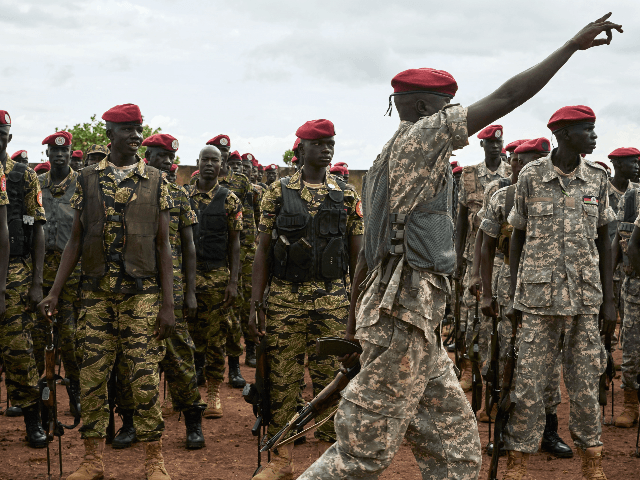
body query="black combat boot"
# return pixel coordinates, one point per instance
(551, 441)
(250, 355)
(193, 422)
(127, 434)
(35, 433)
(235, 377)
(13, 411)
(200, 361)
(73, 390)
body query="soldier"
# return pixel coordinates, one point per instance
(77, 162)
(58, 187)
(96, 154)
(345, 173)
(172, 174)
(247, 165)
(20, 156)
(261, 176)
(561, 283)
(22, 287)
(338, 172)
(178, 364)
(271, 172)
(307, 294)
(472, 184)
(121, 229)
(496, 231)
(217, 241)
(41, 168)
(295, 161)
(407, 383)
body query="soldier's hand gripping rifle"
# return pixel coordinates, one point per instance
(606, 380)
(492, 376)
(474, 356)
(326, 399)
(507, 400)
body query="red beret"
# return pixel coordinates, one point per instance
(19, 153)
(77, 154)
(195, 173)
(162, 140)
(515, 144)
(455, 164)
(294, 159)
(60, 139)
(315, 129)
(539, 145)
(270, 168)
(42, 167)
(572, 115)
(338, 169)
(342, 164)
(127, 113)
(606, 167)
(492, 131)
(260, 168)
(220, 141)
(425, 80)
(248, 156)
(174, 167)
(624, 152)
(235, 154)
(295, 145)
(5, 118)
(457, 170)
(504, 150)
(145, 160)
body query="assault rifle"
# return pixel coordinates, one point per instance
(474, 356)
(326, 399)
(492, 376)
(606, 380)
(507, 401)
(459, 326)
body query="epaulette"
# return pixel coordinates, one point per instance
(593, 164)
(536, 163)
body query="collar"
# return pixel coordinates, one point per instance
(550, 173)
(295, 182)
(140, 169)
(48, 182)
(194, 191)
(483, 170)
(9, 165)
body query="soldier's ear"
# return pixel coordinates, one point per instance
(10, 138)
(482, 143)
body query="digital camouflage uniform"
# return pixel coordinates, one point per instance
(559, 291)
(17, 325)
(178, 363)
(213, 325)
(113, 320)
(69, 300)
(295, 319)
(407, 386)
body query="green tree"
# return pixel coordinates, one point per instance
(286, 157)
(95, 132)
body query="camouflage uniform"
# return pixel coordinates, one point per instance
(113, 320)
(213, 325)
(69, 300)
(17, 324)
(298, 314)
(559, 292)
(407, 385)
(178, 363)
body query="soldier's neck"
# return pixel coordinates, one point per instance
(493, 163)
(58, 174)
(619, 182)
(206, 185)
(566, 159)
(314, 175)
(122, 160)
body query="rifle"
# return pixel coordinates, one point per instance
(459, 326)
(326, 399)
(258, 395)
(492, 376)
(474, 356)
(606, 379)
(507, 401)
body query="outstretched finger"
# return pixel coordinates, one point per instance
(602, 19)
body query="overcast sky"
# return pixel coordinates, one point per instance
(256, 70)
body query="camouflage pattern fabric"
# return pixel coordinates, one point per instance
(120, 323)
(15, 338)
(292, 333)
(32, 194)
(584, 360)
(4, 198)
(631, 333)
(406, 389)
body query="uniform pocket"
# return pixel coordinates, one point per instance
(539, 219)
(535, 288)
(591, 286)
(590, 220)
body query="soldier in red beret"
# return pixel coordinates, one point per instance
(391, 319)
(271, 172)
(42, 168)
(172, 175)
(20, 156)
(77, 160)
(131, 287)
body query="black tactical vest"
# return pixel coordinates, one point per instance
(211, 233)
(57, 229)
(625, 229)
(20, 224)
(306, 247)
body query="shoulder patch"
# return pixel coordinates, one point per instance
(40, 198)
(359, 209)
(3, 183)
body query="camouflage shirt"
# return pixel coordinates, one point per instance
(241, 186)
(4, 198)
(473, 183)
(52, 257)
(311, 295)
(559, 268)
(212, 278)
(116, 193)
(418, 161)
(32, 195)
(615, 196)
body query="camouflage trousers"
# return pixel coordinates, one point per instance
(406, 389)
(117, 323)
(583, 360)
(245, 292)
(630, 345)
(292, 333)
(16, 345)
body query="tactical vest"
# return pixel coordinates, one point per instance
(211, 233)
(20, 224)
(57, 229)
(423, 234)
(139, 220)
(309, 247)
(625, 229)
(506, 229)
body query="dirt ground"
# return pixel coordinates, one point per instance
(231, 451)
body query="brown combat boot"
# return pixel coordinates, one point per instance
(592, 463)
(517, 466)
(482, 416)
(280, 467)
(167, 405)
(629, 416)
(91, 467)
(214, 407)
(153, 462)
(465, 375)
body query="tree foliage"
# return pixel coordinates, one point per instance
(287, 156)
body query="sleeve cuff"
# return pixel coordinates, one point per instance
(517, 220)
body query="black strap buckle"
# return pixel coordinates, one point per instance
(114, 218)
